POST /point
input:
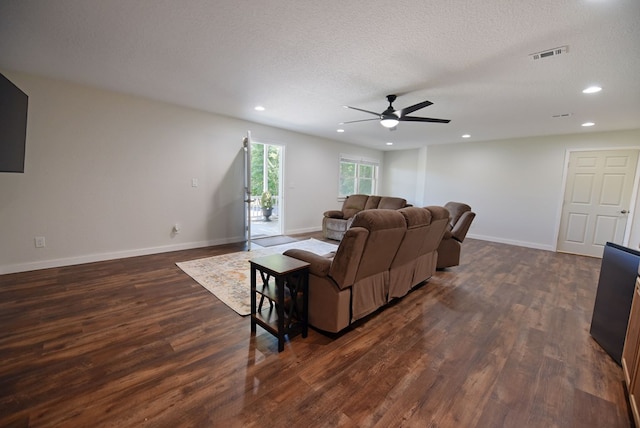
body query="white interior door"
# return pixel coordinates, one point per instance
(246, 146)
(597, 200)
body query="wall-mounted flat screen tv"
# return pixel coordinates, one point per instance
(13, 126)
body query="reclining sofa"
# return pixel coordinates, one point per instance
(459, 224)
(382, 256)
(336, 222)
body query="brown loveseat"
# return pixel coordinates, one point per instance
(381, 257)
(336, 222)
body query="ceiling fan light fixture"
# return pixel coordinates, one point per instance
(388, 122)
(391, 117)
(592, 90)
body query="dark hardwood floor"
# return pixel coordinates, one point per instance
(500, 341)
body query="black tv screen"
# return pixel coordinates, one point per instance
(13, 126)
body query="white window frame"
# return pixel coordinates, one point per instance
(358, 161)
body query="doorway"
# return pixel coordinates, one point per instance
(266, 190)
(597, 200)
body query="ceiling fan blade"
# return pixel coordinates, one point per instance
(362, 110)
(422, 119)
(354, 121)
(411, 109)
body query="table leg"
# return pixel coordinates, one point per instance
(280, 308)
(253, 299)
(305, 304)
(265, 286)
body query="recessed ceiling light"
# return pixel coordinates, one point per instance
(588, 124)
(340, 130)
(466, 136)
(591, 90)
(258, 108)
(389, 143)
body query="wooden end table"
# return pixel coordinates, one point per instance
(284, 281)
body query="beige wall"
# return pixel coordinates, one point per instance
(515, 186)
(107, 175)
(401, 170)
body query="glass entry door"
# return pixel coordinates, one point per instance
(266, 189)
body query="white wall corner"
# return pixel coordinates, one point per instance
(421, 177)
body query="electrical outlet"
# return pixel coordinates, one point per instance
(194, 182)
(39, 241)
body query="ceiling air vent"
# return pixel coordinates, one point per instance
(551, 52)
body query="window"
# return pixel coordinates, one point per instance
(357, 176)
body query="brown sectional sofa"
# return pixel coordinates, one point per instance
(336, 222)
(382, 256)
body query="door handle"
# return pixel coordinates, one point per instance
(624, 212)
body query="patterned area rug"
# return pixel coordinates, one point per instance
(228, 276)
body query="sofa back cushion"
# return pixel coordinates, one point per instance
(456, 209)
(372, 202)
(386, 230)
(346, 261)
(353, 204)
(439, 224)
(391, 203)
(418, 221)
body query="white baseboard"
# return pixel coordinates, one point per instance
(45, 264)
(68, 261)
(534, 245)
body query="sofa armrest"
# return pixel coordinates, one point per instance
(334, 214)
(319, 265)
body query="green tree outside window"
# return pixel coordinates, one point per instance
(357, 177)
(258, 169)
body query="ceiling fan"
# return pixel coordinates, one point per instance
(391, 117)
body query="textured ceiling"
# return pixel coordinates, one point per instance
(303, 60)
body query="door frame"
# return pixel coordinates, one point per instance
(633, 203)
(246, 200)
